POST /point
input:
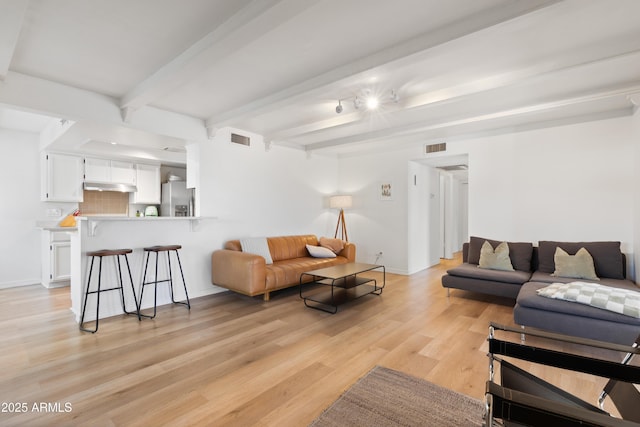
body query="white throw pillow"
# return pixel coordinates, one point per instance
(257, 246)
(497, 259)
(320, 252)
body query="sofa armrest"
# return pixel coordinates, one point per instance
(239, 271)
(349, 252)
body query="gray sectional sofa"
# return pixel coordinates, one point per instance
(537, 311)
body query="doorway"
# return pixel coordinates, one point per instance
(453, 209)
(437, 209)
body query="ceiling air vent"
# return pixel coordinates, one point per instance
(434, 148)
(240, 139)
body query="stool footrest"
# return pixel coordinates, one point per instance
(154, 282)
(117, 288)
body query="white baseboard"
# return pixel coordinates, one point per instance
(18, 283)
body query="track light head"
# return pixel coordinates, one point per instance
(367, 101)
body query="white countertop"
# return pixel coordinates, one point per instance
(53, 226)
(137, 218)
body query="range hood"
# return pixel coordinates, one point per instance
(110, 186)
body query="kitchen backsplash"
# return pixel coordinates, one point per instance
(104, 203)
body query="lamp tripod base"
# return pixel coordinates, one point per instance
(342, 226)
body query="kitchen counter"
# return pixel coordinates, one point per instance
(53, 226)
(94, 221)
(136, 218)
(136, 233)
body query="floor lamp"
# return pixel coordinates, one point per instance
(341, 202)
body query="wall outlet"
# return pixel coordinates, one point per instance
(54, 212)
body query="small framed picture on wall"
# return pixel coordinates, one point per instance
(385, 190)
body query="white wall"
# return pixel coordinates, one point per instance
(573, 182)
(418, 213)
(253, 192)
(20, 208)
(564, 183)
(377, 225)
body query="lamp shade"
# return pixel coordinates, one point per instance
(340, 202)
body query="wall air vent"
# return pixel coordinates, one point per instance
(435, 148)
(240, 139)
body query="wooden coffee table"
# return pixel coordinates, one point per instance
(326, 288)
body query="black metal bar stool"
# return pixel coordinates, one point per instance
(101, 254)
(157, 249)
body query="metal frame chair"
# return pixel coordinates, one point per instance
(523, 399)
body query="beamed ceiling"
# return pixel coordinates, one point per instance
(154, 75)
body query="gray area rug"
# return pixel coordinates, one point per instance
(385, 397)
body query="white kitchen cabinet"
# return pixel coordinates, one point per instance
(61, 177)
(97, 170)
(56, 258)
(148, 185)
(109, 171)
(123, 172)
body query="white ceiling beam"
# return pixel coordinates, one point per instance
(59, 100)
(250, 23)
(11, 20)
(514, 78)
(395, 53)
(414, 129)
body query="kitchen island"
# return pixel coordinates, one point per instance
(119, 232)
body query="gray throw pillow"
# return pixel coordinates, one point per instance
(607, 256)
(520, 253)
(578, 266)
(495, 259)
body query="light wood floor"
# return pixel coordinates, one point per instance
(235, 360)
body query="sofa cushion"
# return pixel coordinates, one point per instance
(336, 245)
(528, 297)
(519, 252)
(607, 257)
(290, 247)
(539, 276)
(495, 259)
(473, 271)
(578, 266)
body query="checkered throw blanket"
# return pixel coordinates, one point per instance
(623, 301)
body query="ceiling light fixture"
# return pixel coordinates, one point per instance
(370, 102)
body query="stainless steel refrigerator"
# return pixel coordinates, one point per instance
(175, 199)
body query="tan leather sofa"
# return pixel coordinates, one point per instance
(249, 274)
